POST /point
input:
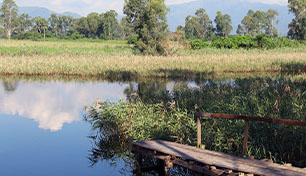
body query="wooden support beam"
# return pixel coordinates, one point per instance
(199, 132)
(138, 157)
(194, 167)
(148, 169)
(245, 140)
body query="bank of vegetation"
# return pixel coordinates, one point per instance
(152, 112)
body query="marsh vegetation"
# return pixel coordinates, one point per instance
(155, 112)
(116, 59)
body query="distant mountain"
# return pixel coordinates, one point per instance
(237, 9)
(43, 12)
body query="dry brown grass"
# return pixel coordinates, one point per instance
(87, 58)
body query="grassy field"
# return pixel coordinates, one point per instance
(116, 58)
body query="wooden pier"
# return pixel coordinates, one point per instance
(208, 162)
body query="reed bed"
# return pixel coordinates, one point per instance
(110, 59)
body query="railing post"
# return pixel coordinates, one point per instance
(246, 135)
(199, 130)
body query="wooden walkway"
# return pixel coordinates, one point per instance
(210, 162)
(181, 155)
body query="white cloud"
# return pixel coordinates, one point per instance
(52, 105)
(279, 2)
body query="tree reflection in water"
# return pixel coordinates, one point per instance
(10, 85)
(265, 97)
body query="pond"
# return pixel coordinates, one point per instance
(43, 131)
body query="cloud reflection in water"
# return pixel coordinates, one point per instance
(52, 104)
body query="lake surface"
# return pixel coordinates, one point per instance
(43, 132)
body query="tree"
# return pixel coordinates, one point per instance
(125, 30)
(199, 26)
(206, 27)
(110, 24)
(53, 21)
(192, 28)
(82, 26)
(40, 25)
(65, 25)
(180, 28)
(24, 23)
(270, 26)
(240, 30)
(250, 25)
(93, 21)
(297, 28)
(8, 13)
(259, 22)
(148, 20)
(223, 24)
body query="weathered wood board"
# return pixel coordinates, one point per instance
(220, 159)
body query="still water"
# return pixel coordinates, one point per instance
(42, 131)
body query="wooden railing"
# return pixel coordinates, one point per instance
(246, 129)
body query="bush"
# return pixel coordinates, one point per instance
(104, 37)
(196, 44)
(132, 39)
(76, 36)
(235, 42)
(199, 44)
(28, 36)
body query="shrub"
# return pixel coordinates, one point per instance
(196, 44)
(28, 36)
(235, 42)
(76, 36)
(104, 37)
(132, 39)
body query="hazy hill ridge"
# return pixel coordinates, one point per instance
(44, 12)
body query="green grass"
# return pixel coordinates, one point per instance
(116, 58)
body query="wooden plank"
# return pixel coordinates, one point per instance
(261, 119)
(220, 159)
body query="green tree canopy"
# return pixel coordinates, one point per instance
(125, 29)
(40, 25)
(270, 25)
(8, 14)
(198, 26)
(259, 22)
(223, 24)
(110, 25)
(297, 28)
(104, 25)
(24, 23)
(148, 19)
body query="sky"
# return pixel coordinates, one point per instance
(83, 7)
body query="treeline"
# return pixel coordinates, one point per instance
(94, 25)
(201, 26)
(145, 25)
(257, 30)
